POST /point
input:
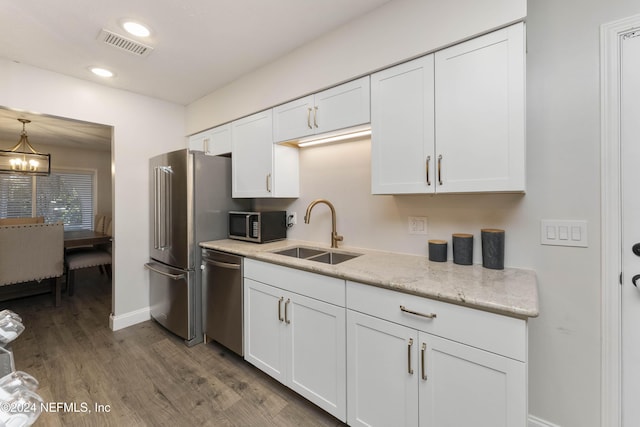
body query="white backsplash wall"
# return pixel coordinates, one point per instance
(341, 173)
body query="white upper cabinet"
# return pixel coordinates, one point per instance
(402, 128)
(337, 108)
(453, 121)
(480, 113)
(259, 167)
(213, 141)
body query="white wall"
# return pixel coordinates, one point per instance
(563, 155)
(143, 127)
(390, 34)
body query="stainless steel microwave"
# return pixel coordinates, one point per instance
(258, 227)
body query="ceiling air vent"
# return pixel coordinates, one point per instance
(123, 43)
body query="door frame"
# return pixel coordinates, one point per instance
(611, 226)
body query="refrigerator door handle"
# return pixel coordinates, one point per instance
(161, 208)
(156, 208)
(149, 266)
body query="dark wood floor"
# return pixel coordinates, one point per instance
(141, 375)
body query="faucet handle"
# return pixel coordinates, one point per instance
(335, 238)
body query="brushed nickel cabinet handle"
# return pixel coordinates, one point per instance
(269, 183)
(280, 309)
(428, 161)
(286, 304)
(315, 116)
(423, 350)
(428, 316)
(440, 169)
(409, 369)
(309, 118)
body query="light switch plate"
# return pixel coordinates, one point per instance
(563, 233)
(417, 225)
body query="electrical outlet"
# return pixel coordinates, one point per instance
(293, 218)
(417, 225)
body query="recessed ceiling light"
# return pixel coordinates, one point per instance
(136, 29)
(102, 72)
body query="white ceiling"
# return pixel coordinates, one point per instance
(198, 46)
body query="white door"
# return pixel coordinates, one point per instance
(382, 372)
(462, 385)
(293, 119)
(479, 90)
(264, 328)
(342, 106)
(402, 125)
(252, 155)
(630, 155)
(317, 348)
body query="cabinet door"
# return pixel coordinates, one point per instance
(220, 141)
(402, 123)
(198, 141)
(480, 138)
(317, 348)
(342, 106)
(252, 156)
(465, 386)
(382, 372)
(264, 328)
(293, 120)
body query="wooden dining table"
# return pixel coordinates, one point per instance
(77, 238)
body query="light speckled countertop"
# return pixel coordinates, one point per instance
(511, 291)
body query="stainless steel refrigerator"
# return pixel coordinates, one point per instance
(190, 200)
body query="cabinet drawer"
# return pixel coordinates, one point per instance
(324, 288)
(489, 331)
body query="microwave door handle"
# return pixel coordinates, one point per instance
(247, 220)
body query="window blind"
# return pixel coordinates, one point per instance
(15, 196)
(66, 197)
(62, 196)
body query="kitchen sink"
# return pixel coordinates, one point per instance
(327, 256)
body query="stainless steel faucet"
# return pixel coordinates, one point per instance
(335, 237)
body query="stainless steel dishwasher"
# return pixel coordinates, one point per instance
(222, 289)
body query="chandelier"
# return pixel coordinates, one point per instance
(23, 158)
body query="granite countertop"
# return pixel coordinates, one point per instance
(511, 291)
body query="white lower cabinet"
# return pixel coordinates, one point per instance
(298, 340)
(401, 376)
(375, 357)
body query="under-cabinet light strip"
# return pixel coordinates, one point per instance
(335, 138)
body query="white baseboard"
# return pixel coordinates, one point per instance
(122, 321)
(538, 422)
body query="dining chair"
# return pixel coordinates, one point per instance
(85, 258)
(90, 256)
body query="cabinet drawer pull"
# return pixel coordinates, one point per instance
(269, 183)
(286, 304)
(428, 180)
(280, 309)
(428, 316)
(315, 116)
(440, 169)
(423, 350)
(409, 369)
(309, 118)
